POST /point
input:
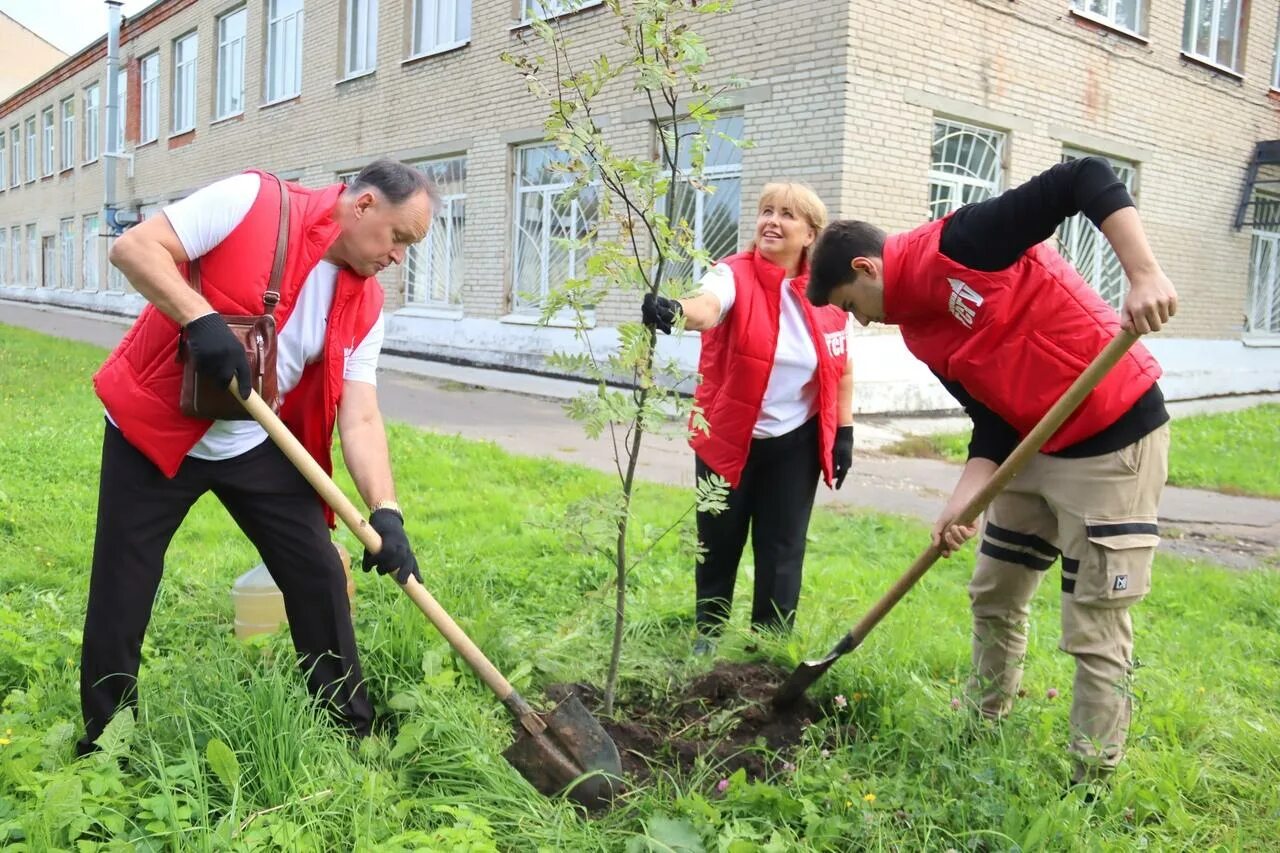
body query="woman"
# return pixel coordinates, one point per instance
(777, 395)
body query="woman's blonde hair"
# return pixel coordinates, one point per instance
(802, 200)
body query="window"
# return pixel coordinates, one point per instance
(67, 246)
(122, 113)
(1275, 67)
(33, 256)
(31, 149)
(15, 154)
(46, 142)
(1121, 14)
(67, 150)
(546, 226)
(15, 255)
(284, 49)
(712, 216)
(184, 83)
(361, 54)
(1212, 32)
(1083, 244)
(4, 256)
(545, 9)
(433, 269)
(91, 123)
(115, 279)
(1263, 314)
(231, 29)
(968, 166)
(150, 129)
(4, 158)
(440, 25)
(89, 253)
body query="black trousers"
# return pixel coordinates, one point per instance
(139, 510)
(774, 499)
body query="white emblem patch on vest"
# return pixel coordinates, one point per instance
(836, 343)
(1121, 584)
(965, 302)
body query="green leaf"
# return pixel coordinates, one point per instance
(223, 762)
(677, 836)
(62, 801)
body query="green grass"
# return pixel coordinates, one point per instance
(1231, 452)
(228, 754)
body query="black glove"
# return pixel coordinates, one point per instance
(659, 312)
(842, 453)
(217, 353)
(396, 557)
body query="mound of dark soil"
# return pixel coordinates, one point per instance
(723, 718)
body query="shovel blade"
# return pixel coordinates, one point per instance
(798, 682)
(573, 755)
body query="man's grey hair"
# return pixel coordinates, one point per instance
(396, 181)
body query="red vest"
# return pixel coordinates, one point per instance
(1015, 339)
(737, 358)
(140, 381)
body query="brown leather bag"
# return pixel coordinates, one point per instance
(201, 396)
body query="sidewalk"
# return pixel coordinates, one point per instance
(523, 414)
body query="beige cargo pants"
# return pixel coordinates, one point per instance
(1099, 514)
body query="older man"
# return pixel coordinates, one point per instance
(156, 462)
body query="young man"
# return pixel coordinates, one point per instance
(1006, 324)
(156, 462)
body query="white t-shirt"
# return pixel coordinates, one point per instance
(791, 397)
(202, 220)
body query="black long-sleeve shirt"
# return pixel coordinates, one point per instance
(992, 235)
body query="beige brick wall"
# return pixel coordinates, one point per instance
(843, 97)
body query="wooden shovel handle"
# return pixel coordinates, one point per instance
(1028, 447)
(356, 523)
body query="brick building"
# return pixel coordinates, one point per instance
(893, 112)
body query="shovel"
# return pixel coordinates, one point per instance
(810, 671)
(565, 750)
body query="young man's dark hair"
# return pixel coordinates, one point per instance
(839, 244)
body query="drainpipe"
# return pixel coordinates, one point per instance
(115, 220)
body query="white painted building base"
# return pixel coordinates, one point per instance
(889, 380)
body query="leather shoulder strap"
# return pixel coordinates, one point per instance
(272, 296)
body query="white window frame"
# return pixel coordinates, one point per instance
(284, 43)
(1190, 31)
(66, 253)
(149, 95)
(360, 40)
(1262, 311)
(1275, 63)
(33, 152)
(974, 187)
(4, 159)
(48, 149)
(711, 175)
(1110, 17)
(229, 95)
(15, 152)
(184, 83)
(423, 274)
(546, 10)
(4, 256)
(520, 303)
(92, 96)
(67, 134)
(431, 18)
(1081, 243)
(122, 111)
(89, 228)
